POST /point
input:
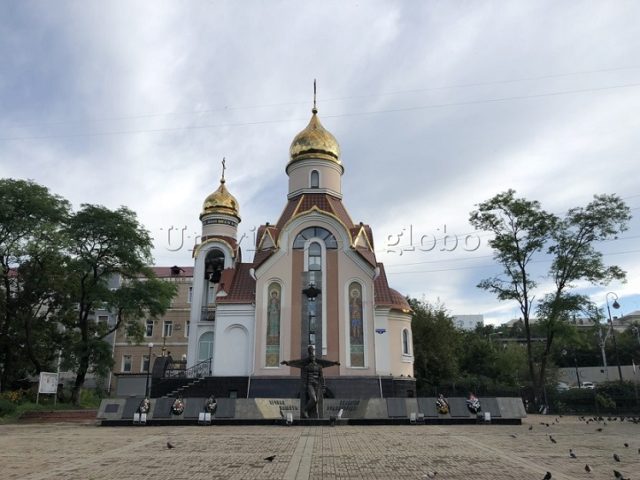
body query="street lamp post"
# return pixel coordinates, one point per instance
(575, 363)
(146, 388)
(615, 305)
(603, 343)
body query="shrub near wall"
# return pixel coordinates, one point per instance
(6, 407)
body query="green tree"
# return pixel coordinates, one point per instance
(105, 244)
(31, 219)
(523, 232)
(435, 344)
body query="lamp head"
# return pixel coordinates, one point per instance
(615, 304)
(150, 345)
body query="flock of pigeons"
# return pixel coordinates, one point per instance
(617, 475)
(601, 422)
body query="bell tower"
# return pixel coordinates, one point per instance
(218, 251)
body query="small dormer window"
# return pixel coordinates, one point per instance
(175, 270)
(315, 179)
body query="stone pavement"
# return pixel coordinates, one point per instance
(85, 452)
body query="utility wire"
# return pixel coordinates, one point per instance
(340, 115)
(331, 99)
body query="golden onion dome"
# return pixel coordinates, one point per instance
(314, 142)
(221, 201)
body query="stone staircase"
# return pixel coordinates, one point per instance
(184, 389)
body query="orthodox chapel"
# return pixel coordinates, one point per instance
(314, 280)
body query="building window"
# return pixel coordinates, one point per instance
(167, 329)
(315, 257)
(186, 328)
(273, 325)
(405, 342)
(205, 347)
(149, 330)
(356, 330)
(145, 364)
(104, 319)
(315, 179)
(126, 363)
(190, 295)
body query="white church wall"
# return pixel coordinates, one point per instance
(381, 325)
(400, 364)
(234, 340)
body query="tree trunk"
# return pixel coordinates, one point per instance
(83, 367)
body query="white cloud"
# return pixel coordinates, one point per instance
(136, 103)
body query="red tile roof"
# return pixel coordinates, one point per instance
(386, 296)
(243, 287)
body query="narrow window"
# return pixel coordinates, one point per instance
(315, 179)
(167, 330)
(405, 342)
(126, 363)
(315, 257)
(149, 329)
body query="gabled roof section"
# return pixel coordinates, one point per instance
(238, 285)
(361, 237)
(386, 296)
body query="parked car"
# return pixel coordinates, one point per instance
(588, 385)
(562, 386)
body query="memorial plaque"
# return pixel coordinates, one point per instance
(226, 408)
(396, 407)
(193, 407)
(271, 407)
(427, 406)
(490, 405)
(131, 407)
(458, 407)
(350, 408)
(112, 408)
(162, 408)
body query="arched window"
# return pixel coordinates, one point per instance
(405, 342)
(323, 234)
(356, 329)
(315, 179)
(273, 325)
(205, 347)
(213, 265)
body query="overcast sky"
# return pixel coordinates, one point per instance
(437, 106)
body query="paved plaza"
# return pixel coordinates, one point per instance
(85, 452)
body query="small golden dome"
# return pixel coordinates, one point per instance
(221, 201)
(314, 142)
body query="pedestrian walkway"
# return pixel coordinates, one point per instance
(86, 452)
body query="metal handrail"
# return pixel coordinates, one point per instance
(199, 370)
(208, 314)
